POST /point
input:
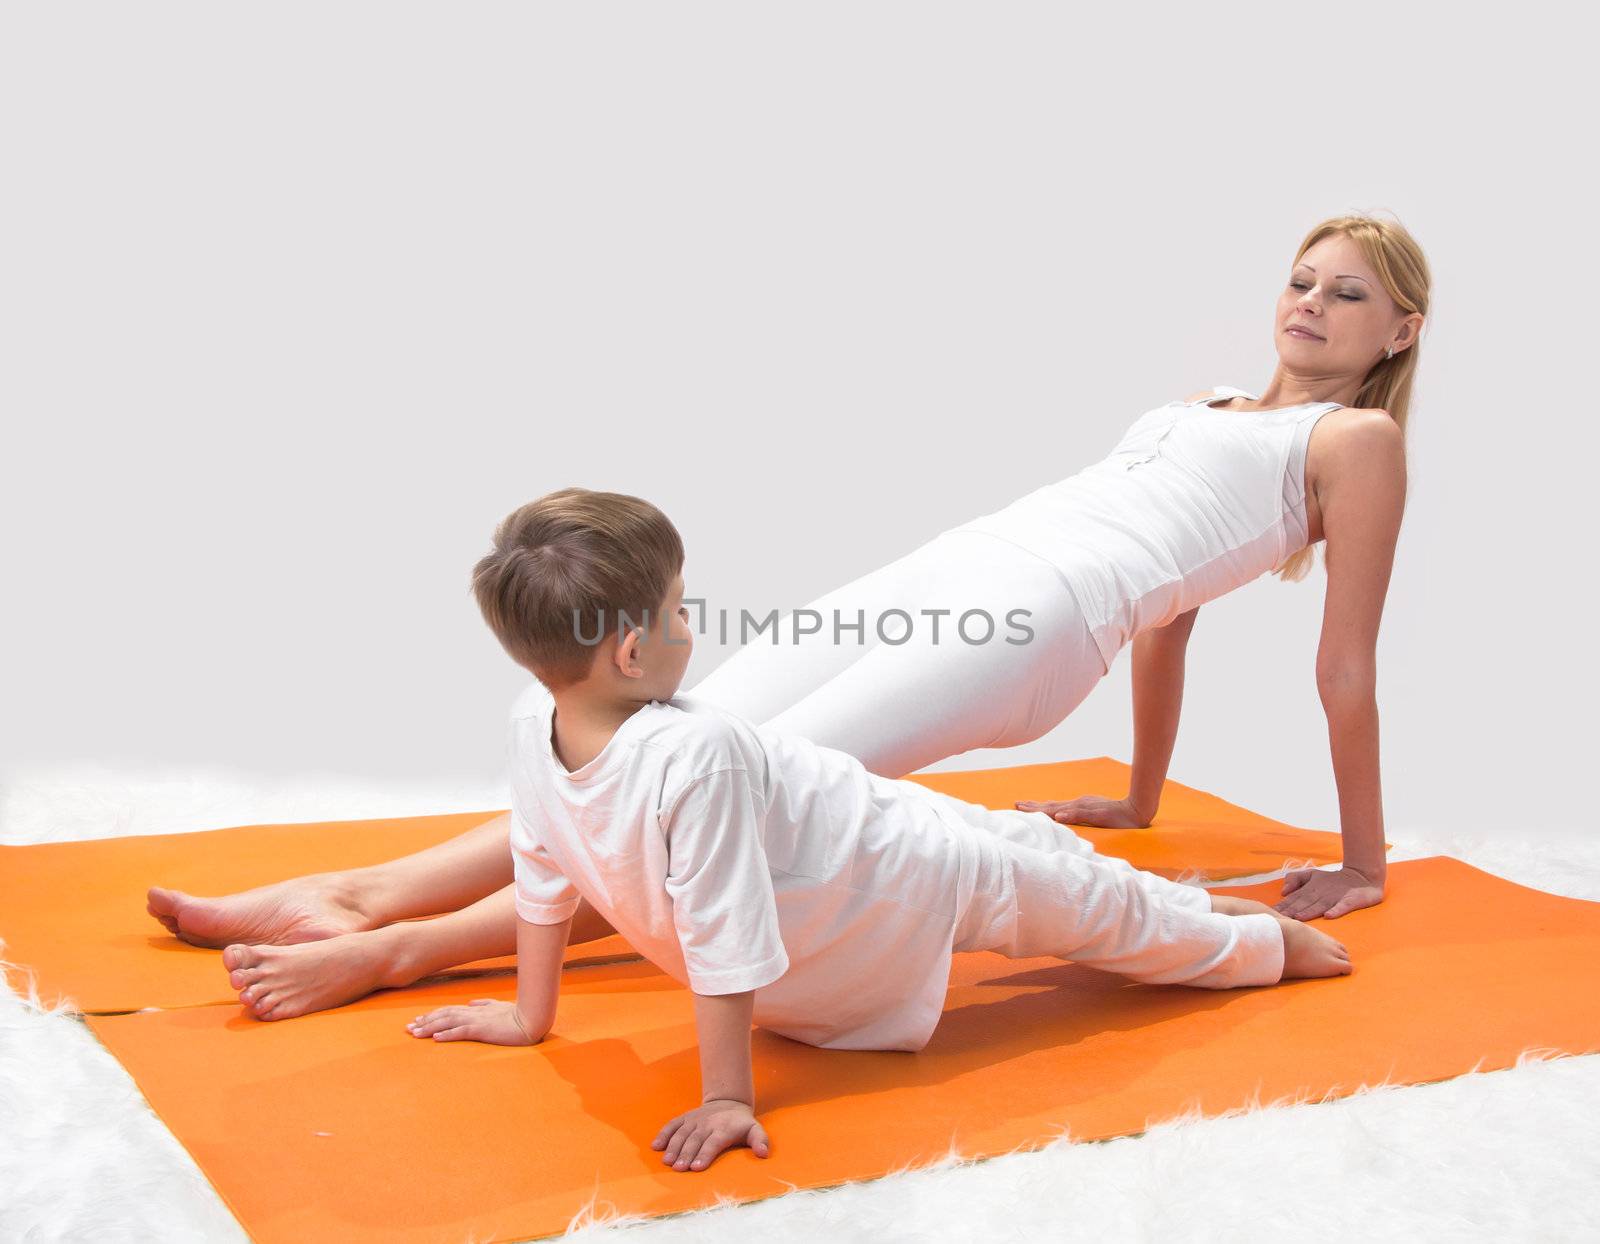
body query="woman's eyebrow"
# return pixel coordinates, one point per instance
(1340, 275)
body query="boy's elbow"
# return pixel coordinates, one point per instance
(537, 1026)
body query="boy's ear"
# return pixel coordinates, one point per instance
(626, 653)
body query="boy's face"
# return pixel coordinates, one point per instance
(661, 650)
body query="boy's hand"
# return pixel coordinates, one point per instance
(487, 1020)
(692, 1140)
(1228, 905)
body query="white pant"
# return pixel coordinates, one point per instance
(1043, 890)
(897, 707)
(1040, 888)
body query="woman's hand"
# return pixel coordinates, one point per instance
(486, 1020)
(1090, 810)
(1311, 892)
(692, 1140)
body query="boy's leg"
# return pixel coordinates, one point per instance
(1041, 833)
(1074, 906)
(281, 982)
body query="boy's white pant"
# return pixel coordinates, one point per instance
(1043, 890)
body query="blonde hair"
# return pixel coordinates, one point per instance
(560, 564)
(1394, 254)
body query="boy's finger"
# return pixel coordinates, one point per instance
(670, 1127)
(709, 1149)
(691, 1143)
(436, 1020)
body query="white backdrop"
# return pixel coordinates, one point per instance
(297, 302)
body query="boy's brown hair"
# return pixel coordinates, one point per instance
(567, 565)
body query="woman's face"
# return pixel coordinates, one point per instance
(1334, 316)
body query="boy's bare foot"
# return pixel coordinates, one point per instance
(304, 909)
(1308, 951)
(281, 982)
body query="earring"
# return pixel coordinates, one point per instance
(1388, 352)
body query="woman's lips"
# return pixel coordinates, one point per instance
(1295, 331)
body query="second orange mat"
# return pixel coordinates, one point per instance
(302, 1125)
(1192, 829)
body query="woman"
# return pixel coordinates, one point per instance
(1199, 497)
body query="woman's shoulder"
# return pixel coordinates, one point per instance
(1374, 417)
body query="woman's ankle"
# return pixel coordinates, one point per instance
(363, 892)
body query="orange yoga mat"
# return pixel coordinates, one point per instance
(302, 1124)
(74, 912)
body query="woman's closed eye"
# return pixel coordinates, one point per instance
(1348, 297)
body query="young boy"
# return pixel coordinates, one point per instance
(781, 881)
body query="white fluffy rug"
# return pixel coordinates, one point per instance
(1495, 1155)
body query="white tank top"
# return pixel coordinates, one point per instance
(1191, 503)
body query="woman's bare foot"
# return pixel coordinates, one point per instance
(281, 982)
(303, 909)
(1308, 951)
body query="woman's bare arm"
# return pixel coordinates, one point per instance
(1158, 660)
(1362, 497)
(1158, 669)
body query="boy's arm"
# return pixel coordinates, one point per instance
(723, 1024)
(541, 949)
(725, 911)
(726, 1114)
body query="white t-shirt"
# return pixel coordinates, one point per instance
(735, 857)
